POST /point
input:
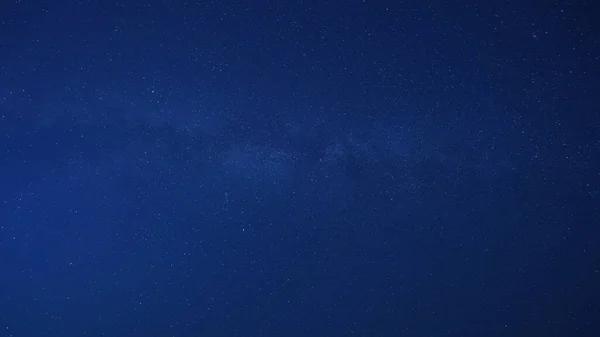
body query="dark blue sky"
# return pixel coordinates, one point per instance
(299, 168)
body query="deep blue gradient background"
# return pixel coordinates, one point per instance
(299, 168)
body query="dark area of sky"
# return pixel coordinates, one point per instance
(299, 168)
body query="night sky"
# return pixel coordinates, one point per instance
(299, 168)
